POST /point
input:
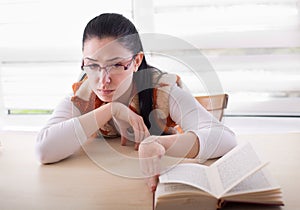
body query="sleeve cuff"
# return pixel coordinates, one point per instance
(214, 142)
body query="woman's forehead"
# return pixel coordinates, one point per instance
(104, 49)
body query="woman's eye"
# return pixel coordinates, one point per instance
(118, 65)
(93, 66)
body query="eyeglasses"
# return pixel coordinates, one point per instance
(114, 69)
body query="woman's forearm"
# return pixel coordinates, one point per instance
(58, 141)
(180, 145)
(96, 119)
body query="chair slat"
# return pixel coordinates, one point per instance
(215, 104)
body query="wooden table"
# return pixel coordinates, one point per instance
(80, 182)
(283, 152)
(74, 183)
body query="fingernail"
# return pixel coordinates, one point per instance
(153, 188)
(123, 141)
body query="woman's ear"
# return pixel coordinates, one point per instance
(138, 60)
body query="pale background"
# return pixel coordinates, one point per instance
(253, 45)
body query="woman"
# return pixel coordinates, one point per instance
(122, 95)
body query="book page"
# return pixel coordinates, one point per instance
(174, 189)
(175, 196)
(188, 173)
(261, 180)
(234, 167)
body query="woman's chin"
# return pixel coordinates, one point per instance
(113, 96)
(109, 98)
(105, 98)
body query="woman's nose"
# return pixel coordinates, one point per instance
(104, 76)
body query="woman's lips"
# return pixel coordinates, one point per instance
(105, 92)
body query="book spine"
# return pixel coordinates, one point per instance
(221, 203)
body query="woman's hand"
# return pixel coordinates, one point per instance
(150, 154)
(131, 125)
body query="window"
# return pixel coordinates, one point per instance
(40, 54)
(252, 45)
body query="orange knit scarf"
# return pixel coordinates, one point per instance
(86, 100)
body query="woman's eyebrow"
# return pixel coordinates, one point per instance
(113, 59)
(91, 59)
(108, 60)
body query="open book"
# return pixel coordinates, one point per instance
(239, 176)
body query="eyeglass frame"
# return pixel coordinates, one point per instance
(110, 66)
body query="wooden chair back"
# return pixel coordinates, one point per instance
(215, 104)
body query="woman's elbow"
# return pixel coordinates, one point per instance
(230, 141)
(42, 154)
(42, 149)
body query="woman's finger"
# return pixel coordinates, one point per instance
(122, 127)
(137, 133)
(144, 132)
(150, 166)
(152, 183)
(139, 130)
(136, 146)
(147, 133)
(152, 174)
(146, 166)
(123, 140)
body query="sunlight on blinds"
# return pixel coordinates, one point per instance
(208, 18)
(253, 45)
(40, 48)
(44, 23)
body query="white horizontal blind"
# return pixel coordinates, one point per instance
(37, 85)
(40, 48)
(51, 23)
(230, 24)
(253, 45)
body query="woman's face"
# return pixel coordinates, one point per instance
(113, 80)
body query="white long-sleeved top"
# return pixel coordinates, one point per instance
(63, 134)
